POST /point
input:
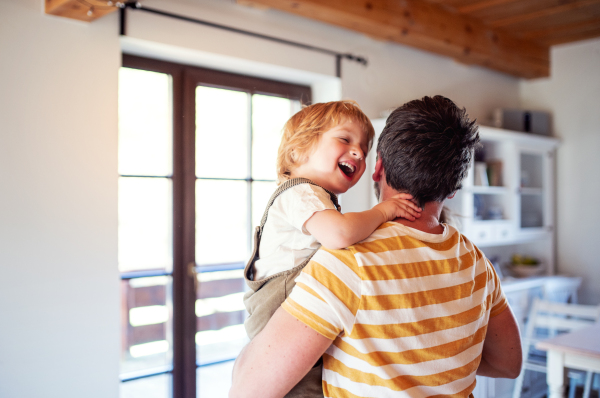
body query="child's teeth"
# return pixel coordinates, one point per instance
(348, 165)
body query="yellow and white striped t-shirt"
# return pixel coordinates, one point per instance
(407, 311)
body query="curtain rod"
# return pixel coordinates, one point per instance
(135, 5)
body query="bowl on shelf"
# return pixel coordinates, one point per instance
(526, 270)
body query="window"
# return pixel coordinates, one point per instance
(197, 152)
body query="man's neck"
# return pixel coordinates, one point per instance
(430, 216)
(429, 221)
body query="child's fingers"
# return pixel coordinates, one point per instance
(406, 215)
(408, 203)
(408, 211)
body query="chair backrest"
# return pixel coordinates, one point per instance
(548, 319)
(561, 289)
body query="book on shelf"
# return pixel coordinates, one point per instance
(481, 178)
(494, 173)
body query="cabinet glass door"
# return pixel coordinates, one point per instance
(532, 185)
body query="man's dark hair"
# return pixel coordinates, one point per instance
(426, 148)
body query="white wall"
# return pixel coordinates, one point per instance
(572, 95)
(59, 296)
(59, 300)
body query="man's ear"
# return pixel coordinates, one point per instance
(451, 196)
(378, 174)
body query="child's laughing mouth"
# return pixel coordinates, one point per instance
(347, 168)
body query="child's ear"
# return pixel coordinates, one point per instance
(296, 158)
(378, 170)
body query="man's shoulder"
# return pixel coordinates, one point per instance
(396, 237)
(348, 255)
(345, 255)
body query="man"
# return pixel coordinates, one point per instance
(415, 309)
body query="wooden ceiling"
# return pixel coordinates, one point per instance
(511, 36)
(547, 22)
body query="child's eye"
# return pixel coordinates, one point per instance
(344, 139)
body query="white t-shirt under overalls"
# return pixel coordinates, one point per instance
(285, 243)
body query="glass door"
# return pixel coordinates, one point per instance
(237, 133)
(145, 208)
(197, 152)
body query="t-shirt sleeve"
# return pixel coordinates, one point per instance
(326, 297)
(499, 302)
(302, 201)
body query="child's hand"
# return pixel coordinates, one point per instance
(399, 205)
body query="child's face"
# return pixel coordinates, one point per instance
(338, 160)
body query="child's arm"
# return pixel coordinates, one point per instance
(335, 230)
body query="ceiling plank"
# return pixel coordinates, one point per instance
(583, 34)
(427, 26)
(481, 5)
(514, 19)
(563, 29)
(575, 37)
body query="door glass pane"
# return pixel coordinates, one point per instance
(146, 323)
(221, 133)
(214, 381)
(220, 316)
(261, 193)
(269, 114)
(221, 222)
(145, 123)
(149, 387)
(145, 223)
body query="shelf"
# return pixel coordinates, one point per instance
(520, 240)
(479, 222)
(531, 191)
(488, 190)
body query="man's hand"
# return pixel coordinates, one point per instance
(502, 355)
(399, 205)
(277, 358)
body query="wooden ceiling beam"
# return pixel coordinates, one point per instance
(515, 19)
(564, 29)
(427, 26)
(588, 33)
(81, 10)
(482, 5)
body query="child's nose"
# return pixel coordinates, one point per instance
(357, 153)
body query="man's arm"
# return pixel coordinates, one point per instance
(277, 358)
(502, 355)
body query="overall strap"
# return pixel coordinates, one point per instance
(248, 270)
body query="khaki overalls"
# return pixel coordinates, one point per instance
(266, 296)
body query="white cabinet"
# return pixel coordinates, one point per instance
(508, 196)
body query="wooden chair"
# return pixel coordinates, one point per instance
(561, 289)
(547, 319)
